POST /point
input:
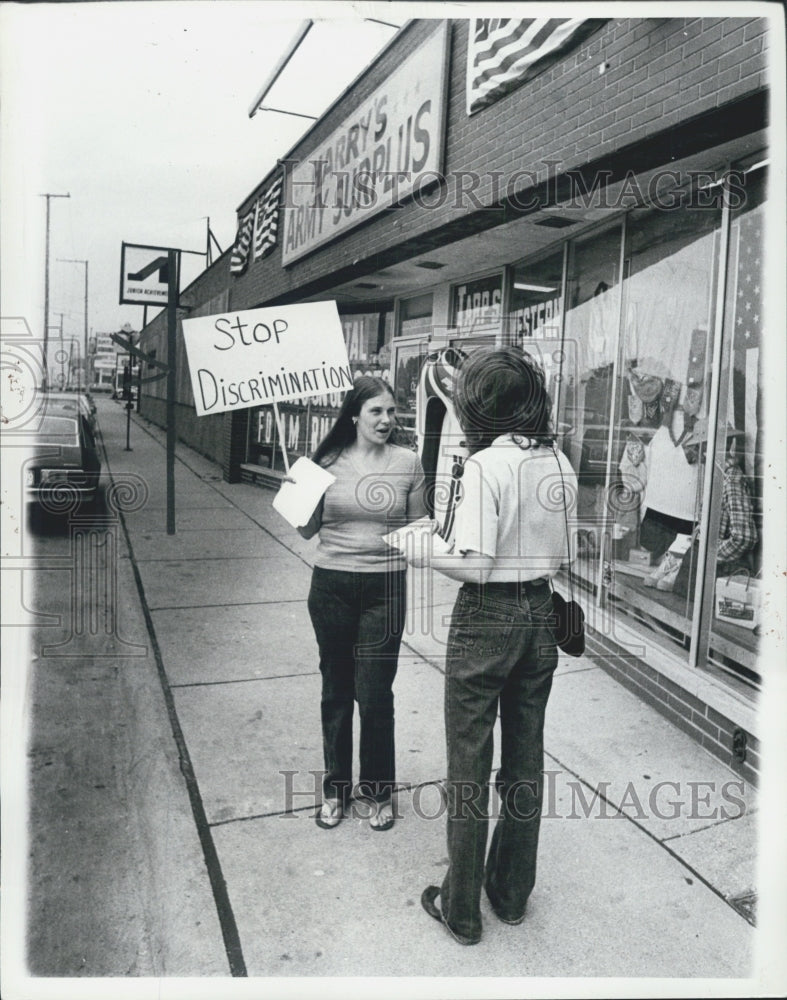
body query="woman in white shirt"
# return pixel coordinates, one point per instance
(510, 540)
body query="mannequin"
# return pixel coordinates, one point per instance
(671, 492)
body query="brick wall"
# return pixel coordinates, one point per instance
(660, 73)
(204, 434)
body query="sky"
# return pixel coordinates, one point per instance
(139, 111)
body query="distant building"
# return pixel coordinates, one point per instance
(104, 354)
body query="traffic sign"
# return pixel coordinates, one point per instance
(151, 362)
(144, 275)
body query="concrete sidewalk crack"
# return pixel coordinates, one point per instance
(710, 826)
(643, 829)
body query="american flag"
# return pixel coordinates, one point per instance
(240, 251)
(745, 403)
(266, 223)
(504, 52)
(748, 304)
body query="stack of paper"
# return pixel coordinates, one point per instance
(296, 501)
(416, 537)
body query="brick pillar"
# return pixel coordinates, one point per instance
(233, 450)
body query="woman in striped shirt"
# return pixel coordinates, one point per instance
(357, 595)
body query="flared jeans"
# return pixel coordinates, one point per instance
(501, 655)
(358, 620)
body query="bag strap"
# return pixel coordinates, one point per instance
(565, 516)
(741, 571)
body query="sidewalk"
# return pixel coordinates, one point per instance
(636, 891)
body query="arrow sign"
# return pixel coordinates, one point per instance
(159, 264)
(135, 352)
(144, 275)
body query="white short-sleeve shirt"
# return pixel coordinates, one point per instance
(511, 509)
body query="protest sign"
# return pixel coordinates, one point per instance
(263, 356)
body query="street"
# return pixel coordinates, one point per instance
(116, 875)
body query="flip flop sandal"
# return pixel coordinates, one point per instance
(382, 827)
(333, 817)
(428, 897)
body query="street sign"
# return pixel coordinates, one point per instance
(149, 360)
(144, 275)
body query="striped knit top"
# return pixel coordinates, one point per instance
(362, 506)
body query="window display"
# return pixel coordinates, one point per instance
(408, 360)
(655, 498)
(592, 320)
(366, 335)
(643, 374)
(735, 519)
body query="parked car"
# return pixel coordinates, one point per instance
(89, 397)
(74, 402)
(65, 464)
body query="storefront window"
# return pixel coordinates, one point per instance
(415, 316)
(366, 336)
(735, 528)
(536, 303)
(535, 318)
(635, 390)
(587, 384)
(661, 408)
(408, 360)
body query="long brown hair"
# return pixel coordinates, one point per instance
(343, 432)
(502, 392)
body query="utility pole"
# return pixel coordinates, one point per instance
(211, 240)
(72, 260)
(61, 355)
(46, 286)
(173, 291)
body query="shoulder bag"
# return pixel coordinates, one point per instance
(569, 616)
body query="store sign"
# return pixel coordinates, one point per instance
(388, 148)
(539, 319)
(144, 275)
(260, 356)
(477, 304)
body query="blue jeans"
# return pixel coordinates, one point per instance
(501, 653)
(358, 620)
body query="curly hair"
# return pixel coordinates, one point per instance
(502, 392)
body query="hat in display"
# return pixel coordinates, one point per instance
(647, 387)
